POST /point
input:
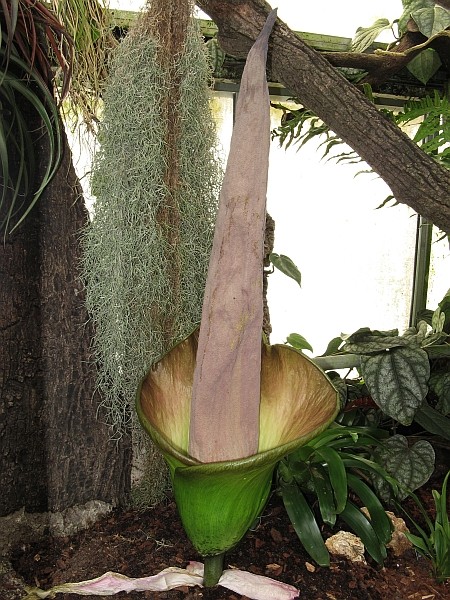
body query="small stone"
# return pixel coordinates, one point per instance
(276, 535)
(399, 543)
(309, 567)
(346, 544)
(274, 569)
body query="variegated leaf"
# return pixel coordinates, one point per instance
(397, 380)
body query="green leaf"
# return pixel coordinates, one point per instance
(397, 381)
(431, 20)
(424, 65)
(337, 475)
(324, 491)
(305, 524)
(298, 342)
(366, 341)
(364, 530)
(412, 466)
(333, 346)
(410, 6)
(433, 421)
(440, 384)
(365, 36)
(287, 266)
(381, 523)
(438, 320)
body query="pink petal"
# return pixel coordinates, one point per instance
(112, 583)
(257, 587)
(242, 582)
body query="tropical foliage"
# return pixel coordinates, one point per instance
(28, 87)
(325, 470)
(434, 544)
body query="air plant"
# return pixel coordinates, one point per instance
(28, 32)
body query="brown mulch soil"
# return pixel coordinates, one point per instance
(141, 543)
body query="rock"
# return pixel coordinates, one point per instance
(346, 544)
(23, 527)
(399, 543)
(77, 518)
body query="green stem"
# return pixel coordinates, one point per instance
(213, 569)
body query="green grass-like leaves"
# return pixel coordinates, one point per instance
(434, 543)
(334, 462)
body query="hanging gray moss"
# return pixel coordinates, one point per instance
(156, 179)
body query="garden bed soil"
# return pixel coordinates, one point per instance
(139, 543)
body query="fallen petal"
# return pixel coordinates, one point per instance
(247, 584)
(113, 583)
(257, 587)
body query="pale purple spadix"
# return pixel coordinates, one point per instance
(224, 421)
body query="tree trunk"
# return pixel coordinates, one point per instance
(55, 449)
(414, 178)
(23, 476)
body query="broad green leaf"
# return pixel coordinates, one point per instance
(431, 20)
(410, 6)
(298, 342)
(287, 266)
(337, 475)
(397, 380)
(324, 491)
(412, 466)
(305, 524)
(364, 530)
(381, 523)
(365, 36)
(333, 346)
(424, 65)
(440, 384)
(366, 341)
(433, 421)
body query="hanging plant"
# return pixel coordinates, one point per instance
(156, 179)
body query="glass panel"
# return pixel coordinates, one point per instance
(356, 261)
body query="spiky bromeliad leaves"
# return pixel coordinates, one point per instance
(222, 409)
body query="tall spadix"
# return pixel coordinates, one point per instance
(224, 421)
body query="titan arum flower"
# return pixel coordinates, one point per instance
(222, 406)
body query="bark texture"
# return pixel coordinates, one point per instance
(55, 451)
(414, 178)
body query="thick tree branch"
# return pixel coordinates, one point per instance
(414, 178)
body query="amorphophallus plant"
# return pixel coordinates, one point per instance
(223, 406)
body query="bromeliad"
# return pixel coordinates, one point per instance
(222, 406)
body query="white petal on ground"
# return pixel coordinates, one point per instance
(247, 584)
